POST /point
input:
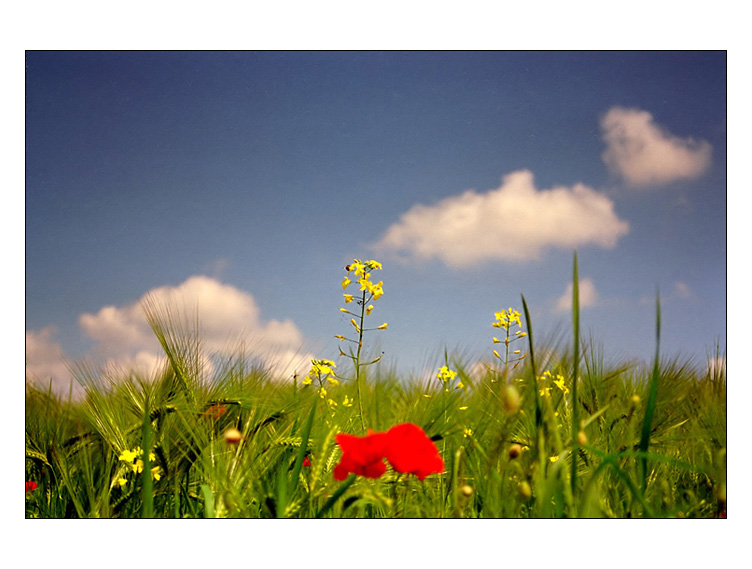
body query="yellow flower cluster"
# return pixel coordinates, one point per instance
(362, 271)
(557, 380)
(321, 370)
(369, 292)
(134, 459)
(506, 319)
(446, 376)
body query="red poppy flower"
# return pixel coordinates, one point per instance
(409, 450)
(306, 461)
(363, 456)
(406, 447)
(31, 485)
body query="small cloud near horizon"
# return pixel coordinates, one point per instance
(588, 296)
(645, 154)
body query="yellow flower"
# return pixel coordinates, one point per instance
(130, 455)
(377, 290)
(357, 328)
(307, 380)
(347, 402)
(348, 298)
(560, 384)
(358, 268)
(506, 319)
(383, 326)
(445, 375)
(340, 337)
(467, 432)
(345, 282)
(369, 308)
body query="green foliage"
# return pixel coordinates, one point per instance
(576, 436)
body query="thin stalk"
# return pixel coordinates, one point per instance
(147, 510)
(653, 396)
(357, 360)
(575, 369)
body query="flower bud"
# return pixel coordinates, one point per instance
(515, 451)
(581, 438)
(467, 490)
(233, 436)
(525, 491)
(510, 398)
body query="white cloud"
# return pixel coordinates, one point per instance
(588, 296)
(45, 363)
(513, 222)
(680, 291)
(644, 154)
(228, 320)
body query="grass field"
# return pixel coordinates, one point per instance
(515, 436)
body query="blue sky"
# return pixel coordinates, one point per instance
(244, 182)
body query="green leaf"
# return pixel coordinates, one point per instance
(208, 501)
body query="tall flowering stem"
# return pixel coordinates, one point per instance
(507, 320)
(368, 293)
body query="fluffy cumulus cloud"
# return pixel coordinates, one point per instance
(228, 320)
(45, 362)
(514, 222)
(588, 296)
(644, 154)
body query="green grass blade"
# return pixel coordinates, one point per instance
(575, 368)
(529, 324)
(303, 446)
(208, 501)
(653, 396)
(336, 496)
(147, 509)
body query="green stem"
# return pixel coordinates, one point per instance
(357, 360)
(575, 371)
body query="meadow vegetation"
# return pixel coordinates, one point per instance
(536, 431)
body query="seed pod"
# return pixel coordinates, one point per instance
(581, 438)
(515, 451)
(233, 436)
